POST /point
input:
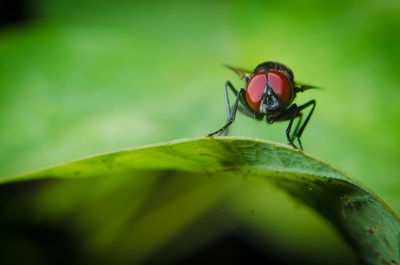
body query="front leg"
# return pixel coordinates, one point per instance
(231, 113)
(245, 108)
(292, 112)
(303, 126)
(228, 105)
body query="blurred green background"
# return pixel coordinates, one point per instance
(85, 77)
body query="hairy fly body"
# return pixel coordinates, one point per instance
(270, 92)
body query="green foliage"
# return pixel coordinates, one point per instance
(130, 206)
(89, 77)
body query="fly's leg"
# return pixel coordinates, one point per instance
(231, 112)
(228, 105)
(292, 111)
(300, 115)
(231, 118)
(303, 126)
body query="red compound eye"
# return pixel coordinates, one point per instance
(255, 90)
(281, 86)
(279, 83)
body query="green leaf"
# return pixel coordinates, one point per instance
(125, 207)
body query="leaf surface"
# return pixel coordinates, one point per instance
(140, 200)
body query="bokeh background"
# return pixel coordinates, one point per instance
(79, 78)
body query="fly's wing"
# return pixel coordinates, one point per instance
(300, 87)
(241, 73)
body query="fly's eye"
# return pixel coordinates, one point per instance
(255, 90)
(281, 86)
(278, 82)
